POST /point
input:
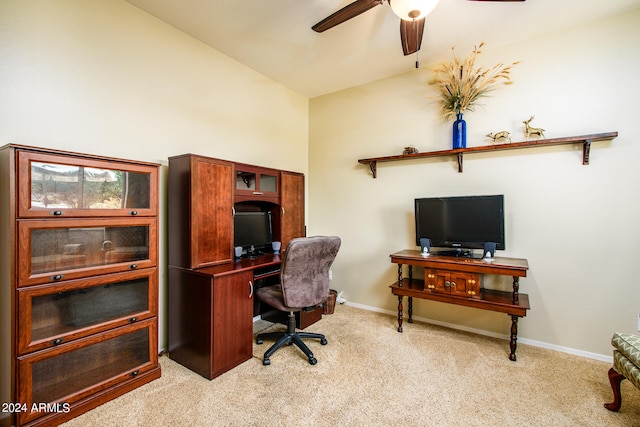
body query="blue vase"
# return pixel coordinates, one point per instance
(459, 132)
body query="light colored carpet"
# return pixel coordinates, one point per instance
(371, 375)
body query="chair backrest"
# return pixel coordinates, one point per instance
(304, 273)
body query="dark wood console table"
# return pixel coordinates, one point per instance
(458, 281)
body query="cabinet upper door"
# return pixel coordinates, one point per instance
(211, 212)
(292, 207)
(256, 183)
(51, 185)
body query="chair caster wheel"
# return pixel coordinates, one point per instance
(323, 341)
(312, 361)
(259, 341)
(266, 362)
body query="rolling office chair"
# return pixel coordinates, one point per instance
(304, 282)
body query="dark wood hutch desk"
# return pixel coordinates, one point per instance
(210, 303)
(458, 281)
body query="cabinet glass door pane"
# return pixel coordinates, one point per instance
(60, 376)
(57, 249)
(62, 312)
(59, 186)
(268, 183)
(65, 249)
(245, 180)
(51, 185)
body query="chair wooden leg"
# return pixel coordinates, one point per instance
(615, 379)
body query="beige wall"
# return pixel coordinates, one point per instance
(577, 225)
(103, 77)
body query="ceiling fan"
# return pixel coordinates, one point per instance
(411, 12)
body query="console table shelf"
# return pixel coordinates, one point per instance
(585, 140)
(491, 299)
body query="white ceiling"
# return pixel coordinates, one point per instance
(274, 37)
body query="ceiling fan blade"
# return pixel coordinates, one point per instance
(349, 11)
(411, 35)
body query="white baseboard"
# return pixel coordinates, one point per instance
(562, 349)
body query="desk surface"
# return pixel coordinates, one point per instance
(262, 261)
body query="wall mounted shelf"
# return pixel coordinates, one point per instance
(585, 140)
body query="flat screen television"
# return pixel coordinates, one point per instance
(252, 229)
(461, 223)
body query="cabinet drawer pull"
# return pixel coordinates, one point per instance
(250, 288)
(133, 320)
(134, 213)
(57, 213)
(57, 277)
(258, 193)
(133, 266)
(447, 284)
(134, 373)
(57, 341)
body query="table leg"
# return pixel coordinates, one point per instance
(514, 337)
(410, 319)
(399, 275)
(516, 289)
(399, 313)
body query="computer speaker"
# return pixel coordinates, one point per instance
(425, 245)
(489, 249)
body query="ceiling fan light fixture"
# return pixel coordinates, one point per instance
(412, 10)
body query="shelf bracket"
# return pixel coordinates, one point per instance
(459, 162)
(586, 148)
(373, 165)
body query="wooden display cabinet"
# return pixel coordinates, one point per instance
(78, 281)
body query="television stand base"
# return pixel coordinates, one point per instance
(458, 281)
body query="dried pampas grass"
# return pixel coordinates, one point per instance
(461, 84)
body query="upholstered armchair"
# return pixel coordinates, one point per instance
(626, 364)
(304, 282)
